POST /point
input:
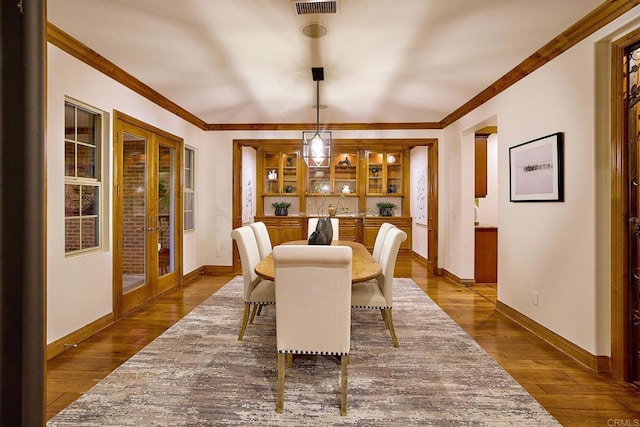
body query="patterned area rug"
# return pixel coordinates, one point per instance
(197, 373)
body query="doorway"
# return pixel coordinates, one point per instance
(147, 213)
(625, 208)
(486, 212)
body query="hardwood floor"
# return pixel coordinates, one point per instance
(570, 392)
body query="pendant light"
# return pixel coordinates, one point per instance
(316, 145)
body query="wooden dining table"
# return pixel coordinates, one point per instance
(363, 266)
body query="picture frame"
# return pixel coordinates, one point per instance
(536, 170)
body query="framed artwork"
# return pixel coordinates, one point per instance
(536, 170)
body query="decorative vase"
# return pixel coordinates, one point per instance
(282, 212)
(332, 210)
(386, 211)
(323, 233)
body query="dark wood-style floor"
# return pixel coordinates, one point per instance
(570, 392)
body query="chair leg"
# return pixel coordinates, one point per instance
(245, 318)
(384, 317)
(280, 399)
(344, 362)
(253, 313)
(391, 328)
(290, 359)
(260, 309)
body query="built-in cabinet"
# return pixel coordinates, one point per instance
(355, 178)
(385, 173)
(486, 254)
(278, 171)
(366, 174)
(351, 228)
(355, 229)
(345, 172)
(371, 225)
(284, 229)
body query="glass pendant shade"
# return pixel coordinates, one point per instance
(316, 148)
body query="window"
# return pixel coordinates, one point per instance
(189, 188)
(82, 183)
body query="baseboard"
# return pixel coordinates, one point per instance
(455, 279)
(424, 261)
(595, 363)
(71, 340)
(212, 270)
(193, 275)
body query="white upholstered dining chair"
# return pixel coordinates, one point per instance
(313, 316)
(257, 291)
(262, 237)
(335, 224)
(378, 293)
(382, 234)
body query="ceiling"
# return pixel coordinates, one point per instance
(247, 61)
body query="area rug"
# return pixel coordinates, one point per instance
(198, 374)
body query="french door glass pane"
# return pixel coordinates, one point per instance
(166, 211)
(134, 208)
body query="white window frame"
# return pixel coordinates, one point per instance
(98, 181)
(189, 189)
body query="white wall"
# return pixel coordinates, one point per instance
(555, 249)
(419, 201)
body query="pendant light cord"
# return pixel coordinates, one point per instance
(317, 106)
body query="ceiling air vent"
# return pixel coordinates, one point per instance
(311, 7)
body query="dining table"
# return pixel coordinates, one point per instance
(363, 266)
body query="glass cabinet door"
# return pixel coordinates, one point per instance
(290, 173)
(281, 173)
(271, 173)
(375, 163)
(319, 177)
(384, 173)
(393, 173)
(345, 178)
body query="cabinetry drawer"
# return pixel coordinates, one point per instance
(372, 225)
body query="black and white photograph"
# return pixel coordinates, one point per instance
(536, 170)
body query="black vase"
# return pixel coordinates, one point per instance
(323, 233)
(282, 212)
(386, 211)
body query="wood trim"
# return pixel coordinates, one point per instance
(455, 279)
(215, 270)
(595, 363)
(433, 203)
(325, 126)
(596, 19)
(119, 115)
(620, 346)
(77, 49)
(72, 339)
(361, 142)
(192, 275)
(237, 202)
